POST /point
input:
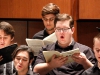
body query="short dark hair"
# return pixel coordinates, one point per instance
(50, 8)
(23, 48)
(97, 36)
(7, 28)
(63, 17)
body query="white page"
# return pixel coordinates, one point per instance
(50, 39)
(35, 44)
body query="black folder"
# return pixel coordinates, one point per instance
(6, 53)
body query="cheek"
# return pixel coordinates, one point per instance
(57, 34)
(26, 64)
(52, 22)
(8, 40)
(96, 53)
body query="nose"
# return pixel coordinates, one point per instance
(48, 22)
(61, 31)
(20, 61)
(2, 40)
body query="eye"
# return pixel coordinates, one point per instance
(45, 19)
(5, 37)
(17, 58)
(51, 19)
(24, 59)
(97, 50)
(58, 29)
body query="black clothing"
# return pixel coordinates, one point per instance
(41, 34)
(30, 72)
(92, 70)
(72, 68)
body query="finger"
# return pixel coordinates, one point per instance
(1, 59)
(0, 56)
(54, 56)
(74, 57)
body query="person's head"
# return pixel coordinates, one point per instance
(22, 57)
(64, 28)
(96, 46)
(48, 13)
(7, 34)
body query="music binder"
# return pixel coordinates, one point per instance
(6, 53)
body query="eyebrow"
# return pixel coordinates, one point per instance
(49, 18)
(23, 57)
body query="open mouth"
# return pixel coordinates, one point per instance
(62, 37)
(19, 66)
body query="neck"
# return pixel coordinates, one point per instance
(50, 31)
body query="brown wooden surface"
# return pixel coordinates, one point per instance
(89, 9)
(29, 8)
(34, 27)
(86, 30)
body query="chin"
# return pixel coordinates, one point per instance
(49, 29)
(2, 46)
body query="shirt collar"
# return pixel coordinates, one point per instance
(45, 33)
(95, 67)
(70, 47)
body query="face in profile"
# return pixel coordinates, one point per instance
(96, 49)
(21, 61)
(48, 21)
(5, 40)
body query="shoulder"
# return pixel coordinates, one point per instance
(35, 73)
(38, 34)
(82, 47)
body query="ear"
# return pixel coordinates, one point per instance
(31, 61)
(12, 39)
(73, 29)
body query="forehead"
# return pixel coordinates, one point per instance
(2, 33)
(22, 54)
(49, 16)
(62, 23)
(97, 42)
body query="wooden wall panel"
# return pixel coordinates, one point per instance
(34, 27)
(86, 30)
(89, 9)
(29, 8)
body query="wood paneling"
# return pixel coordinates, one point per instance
(29, 8)
(34, 27)
(86, 30)
(89, 9)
